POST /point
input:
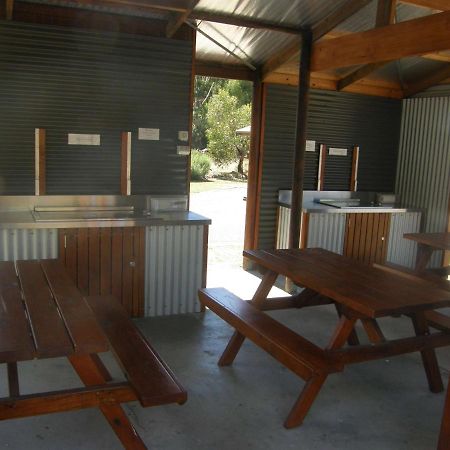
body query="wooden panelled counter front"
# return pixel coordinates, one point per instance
(106, 261)
(368, 237)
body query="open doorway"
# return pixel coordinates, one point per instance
(218, 190)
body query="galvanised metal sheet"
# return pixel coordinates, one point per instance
(28, 244)
(327, 231)
(423, 171)
(284, 219)
(173, 269)
(71, 81)
(335, 119)
(403, 251)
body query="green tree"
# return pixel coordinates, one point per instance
(205, 88)
(224, 117)
(241, 89)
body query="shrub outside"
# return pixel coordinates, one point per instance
(200, 165)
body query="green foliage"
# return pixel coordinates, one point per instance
(200, 165)
(224, 117)
(205, 88)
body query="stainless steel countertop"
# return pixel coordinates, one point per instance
(312, 207)
(25, 219)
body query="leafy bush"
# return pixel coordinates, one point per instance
(200, 165)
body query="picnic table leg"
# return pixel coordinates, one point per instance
(314, 384)
(353, 336)
(429, 355)
(423, 257)
(444, 436)
(91, 375)
(373, 331)
(236, 341)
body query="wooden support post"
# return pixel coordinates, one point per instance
(39, 160)
(9, 9)
(253, 165)
(355, 162)
(300, 140)
(321, 167)
(125, 166)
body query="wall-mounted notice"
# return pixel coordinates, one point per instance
(148, 134)
(183, 150)
(310, 146)
(183, 136)
(83, 139)
(337, 151)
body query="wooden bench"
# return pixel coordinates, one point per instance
(152, 380)
(292, 350)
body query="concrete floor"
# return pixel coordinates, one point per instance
(378, 405)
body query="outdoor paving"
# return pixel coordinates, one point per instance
(226, 208)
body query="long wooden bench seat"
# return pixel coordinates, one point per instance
(295, 352)
(151, 379)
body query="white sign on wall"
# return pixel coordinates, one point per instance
(148, 134)
(183, 136)
(337, 151)
(310, 146)
(83, 139)
(183, 150)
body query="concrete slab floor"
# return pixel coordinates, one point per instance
(378, 405)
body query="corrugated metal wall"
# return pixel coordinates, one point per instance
(327, 231)
(423, 172)
(173, 269)
(28, 244)
(67, 80)
(400, 250)
(335, 119)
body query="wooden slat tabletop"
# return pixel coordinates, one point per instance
(435, 240)
(367, 290)
(16, 342)
(43, 315)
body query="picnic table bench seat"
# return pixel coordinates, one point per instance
(153, 381)
(295, 352)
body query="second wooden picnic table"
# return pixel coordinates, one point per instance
(359, 293)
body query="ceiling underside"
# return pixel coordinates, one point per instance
(251, 46)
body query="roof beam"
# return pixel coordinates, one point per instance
(385, 16)
(441, 5)
(178, 19)
(240, 21)
(9, 9)
(318, 31)
(431, 80)
(138, 5)
(414, 37)
(232, 71)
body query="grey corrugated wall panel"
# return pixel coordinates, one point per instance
(423, 172)
(173, 269)
(327, 231)
(324, 230)
(28, 244)
(402, 251)
(336, 119)
(67, 80)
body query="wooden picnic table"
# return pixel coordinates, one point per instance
(427, 243)
(359, 293)
(43, 315)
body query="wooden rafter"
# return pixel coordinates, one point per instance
(414, 37)
(385, 16)
(431, 80)
(9, 9)
(318, 31)
(240, 21)
(178, 19)
(179, 6)
(441, 5)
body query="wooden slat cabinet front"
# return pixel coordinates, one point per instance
(366, 237)
(104, 261)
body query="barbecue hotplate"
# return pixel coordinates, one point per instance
(350, 203)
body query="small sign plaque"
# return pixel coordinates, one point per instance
(83, 139)
(310, 146)
(183, 136)
(337, 151)
(183, 150)
(148, 134)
